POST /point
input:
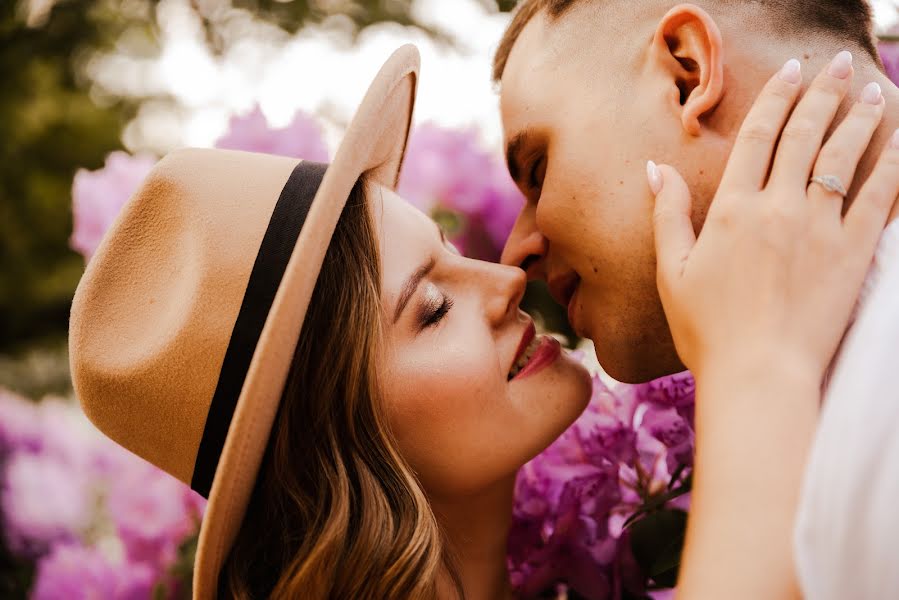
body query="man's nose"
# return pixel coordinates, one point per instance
(526, 247)
(507, 287)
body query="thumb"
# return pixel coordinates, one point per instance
(674, 235)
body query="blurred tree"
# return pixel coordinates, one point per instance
(52, 123)
(49, 126)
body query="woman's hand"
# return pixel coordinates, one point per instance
(757, 307)
(776, 270)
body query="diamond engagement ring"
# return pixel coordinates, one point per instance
(831, 183)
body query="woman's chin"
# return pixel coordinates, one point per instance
(559, 400)
(574, 375)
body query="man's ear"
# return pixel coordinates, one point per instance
(688, 47)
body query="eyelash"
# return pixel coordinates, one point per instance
(435, 315)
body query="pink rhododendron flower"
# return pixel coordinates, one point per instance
(83, 573)
(889, 54)
(467, 190)
(302, 138)
(66, 488)
(673, 431)
(19, 428)
(98, 197)
(44, 501)
(151, 513)
(69, 437)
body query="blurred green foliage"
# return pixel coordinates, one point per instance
(49, 126)
(52, 123)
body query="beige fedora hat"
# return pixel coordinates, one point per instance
(185, 322)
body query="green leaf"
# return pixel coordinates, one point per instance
(657, 541)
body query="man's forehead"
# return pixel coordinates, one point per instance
(531, 92)
(526, 85)
(535, 54)
(548, 55)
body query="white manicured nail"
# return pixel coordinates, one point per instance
(655, 177)
(791, 72)
(841, 65)
(872, 94)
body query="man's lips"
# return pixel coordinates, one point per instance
(563, 288)
(572, 308)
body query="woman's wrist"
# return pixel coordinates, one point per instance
(768, 368)
(747, 410)
(755, 420)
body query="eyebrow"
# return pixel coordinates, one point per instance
(412, 283)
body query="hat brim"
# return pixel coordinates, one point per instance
(374, 145)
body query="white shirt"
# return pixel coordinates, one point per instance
(846, 540)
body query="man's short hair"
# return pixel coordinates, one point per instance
(850, 20)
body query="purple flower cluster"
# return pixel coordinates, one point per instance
(98, 196)
(629, 452)
(302, 138)
(449, 176)
(97, 521)
(889, 54)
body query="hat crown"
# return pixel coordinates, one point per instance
(153, 314)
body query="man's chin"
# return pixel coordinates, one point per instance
(630, 362)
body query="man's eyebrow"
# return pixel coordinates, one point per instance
(411, 285)
(513, 149)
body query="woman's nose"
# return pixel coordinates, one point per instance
(526, 247)
(504, 295)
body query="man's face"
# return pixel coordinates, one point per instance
(581, 118)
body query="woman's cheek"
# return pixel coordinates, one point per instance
(441, 390)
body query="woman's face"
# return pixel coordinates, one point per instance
(454, 336)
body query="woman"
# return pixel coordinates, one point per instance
(355, 398)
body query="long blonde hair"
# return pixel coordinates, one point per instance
(336, 512)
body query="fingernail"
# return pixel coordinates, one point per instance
(655, 177)
(872, 94)
(894, 141)
(791, 72)
(841, 65)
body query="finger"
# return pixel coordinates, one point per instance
(841, 154)
(801, 138)
(867, 216)
(750, 158)
(674, 235)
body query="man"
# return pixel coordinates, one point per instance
(591, 90)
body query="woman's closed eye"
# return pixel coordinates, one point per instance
(434, 308)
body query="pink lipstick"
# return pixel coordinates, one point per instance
(540, 352)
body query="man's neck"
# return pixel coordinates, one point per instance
(865, 72)
(477, 528)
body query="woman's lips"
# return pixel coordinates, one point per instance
(529, 333)
(547, 351)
